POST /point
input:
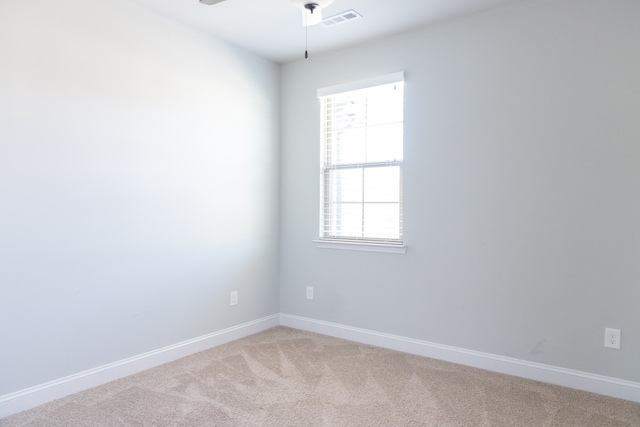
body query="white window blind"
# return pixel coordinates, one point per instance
(361, 161)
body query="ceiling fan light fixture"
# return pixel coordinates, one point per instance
(311, 14)
(311, 10)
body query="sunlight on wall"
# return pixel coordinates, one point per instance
(139, 184)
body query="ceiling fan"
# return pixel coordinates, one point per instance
(311, 9)
(311, 12)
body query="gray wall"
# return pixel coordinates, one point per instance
(521, 187)
(138, 186)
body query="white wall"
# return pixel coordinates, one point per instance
(521, 187)
(138, 186)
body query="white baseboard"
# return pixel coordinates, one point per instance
(31, 397)
(585, 381)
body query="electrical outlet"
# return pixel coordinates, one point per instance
(309, 292)
(234, 298)
(612, 338)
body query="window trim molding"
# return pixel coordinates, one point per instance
(360, 246)
(361, 84)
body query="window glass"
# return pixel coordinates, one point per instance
(361, 166)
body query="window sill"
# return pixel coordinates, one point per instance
(361, 246)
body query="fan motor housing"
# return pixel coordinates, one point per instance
(319, 3)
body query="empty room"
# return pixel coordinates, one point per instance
(327, 212)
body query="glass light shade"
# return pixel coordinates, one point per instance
(309, 18)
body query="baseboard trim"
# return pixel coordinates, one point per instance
(34, 396)
(579, 380)
(31, 397)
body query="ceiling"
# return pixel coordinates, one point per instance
(273, 28)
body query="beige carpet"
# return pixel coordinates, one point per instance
(286, 377)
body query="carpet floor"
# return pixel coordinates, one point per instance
(286, 377)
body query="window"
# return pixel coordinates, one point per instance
(361, 161)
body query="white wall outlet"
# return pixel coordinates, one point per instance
(234, 298)
(309, 292)
(612, 338)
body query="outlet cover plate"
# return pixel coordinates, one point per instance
(612, 338)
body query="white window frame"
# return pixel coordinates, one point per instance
(358, 243)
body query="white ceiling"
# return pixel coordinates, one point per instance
(273, 28)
